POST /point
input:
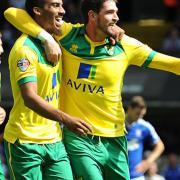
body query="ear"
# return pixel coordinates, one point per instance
(92, 15)
(37, 11)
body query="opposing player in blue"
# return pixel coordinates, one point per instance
(140, 131)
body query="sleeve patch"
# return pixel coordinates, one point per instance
(23, 64)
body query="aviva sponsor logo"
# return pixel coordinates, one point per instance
(52, 97)
(55, 94)
(83, 87)
(87, 71)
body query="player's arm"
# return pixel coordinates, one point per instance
(166, 63)
(141, 55)
(156, 152)
(23, 62)
(2, 115)
(152, 157)
(24, 22)
(33, 101)
(158, 148)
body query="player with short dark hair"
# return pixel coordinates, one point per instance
(139, 132)
(33, 137)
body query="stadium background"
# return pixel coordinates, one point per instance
(150, 21)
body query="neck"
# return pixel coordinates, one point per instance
(130, 119)
(94, 33)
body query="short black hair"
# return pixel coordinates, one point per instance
(137, 101)
(94, 5)
(30, 4)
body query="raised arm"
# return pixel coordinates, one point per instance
(152, 157)
(24, 23)
(141, 55)
(166, 63)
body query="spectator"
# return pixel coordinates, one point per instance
(171, 9)
(172, 171)
(171, 44)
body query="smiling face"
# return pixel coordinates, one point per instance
(107, 17)
(50, 16)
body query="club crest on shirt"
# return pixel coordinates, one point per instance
(109, 50)
(74, 48)
(23, 64)
(138, 133)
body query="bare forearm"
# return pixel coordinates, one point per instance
(43, 108)
(166, 63)
(157, 151)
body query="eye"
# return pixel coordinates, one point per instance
(111, 12)
(56, 4)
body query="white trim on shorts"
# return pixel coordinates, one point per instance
(139, 178)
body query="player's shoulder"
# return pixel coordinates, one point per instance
(67, 27)
(23, 46)
(20, 41)
(130, 41)
(26, 41)
(145, 123)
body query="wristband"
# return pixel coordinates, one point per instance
(43, 36)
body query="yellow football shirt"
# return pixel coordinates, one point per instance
(27, 63)
(92, 78)
(93, 72)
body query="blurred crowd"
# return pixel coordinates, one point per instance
(72, 7)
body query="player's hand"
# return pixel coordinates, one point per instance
(117, 34)
(77, 125)
(52, 50)
(143, 166)
(2, 115)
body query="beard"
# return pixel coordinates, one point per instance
(108, 30)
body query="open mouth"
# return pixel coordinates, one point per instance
(57, 24)
(112, 24)
(58, 21)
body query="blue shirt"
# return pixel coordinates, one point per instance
(172, 173)
(138, 132)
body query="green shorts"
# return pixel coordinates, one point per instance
(97, 158)
(38, 161)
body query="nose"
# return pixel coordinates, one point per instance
(61, 10)
(115, 17)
